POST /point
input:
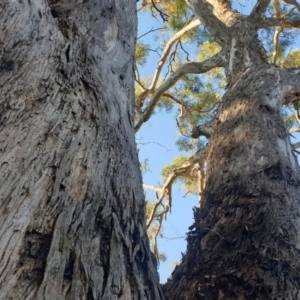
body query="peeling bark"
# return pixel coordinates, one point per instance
(72, 220)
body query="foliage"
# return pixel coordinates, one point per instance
(188, 179)
(291, 60)
(141, 53)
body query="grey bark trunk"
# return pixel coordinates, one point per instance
(245, 243)
(72, 222)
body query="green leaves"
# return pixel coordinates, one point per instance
(141, 53)
(292, 59)
(188, 179)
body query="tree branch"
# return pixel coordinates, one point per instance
(152, 187)
(223, 11)
(293, 2)
(184, 105)
(277, 12)
(202, 130)
(151, 30)
(166, 190)
(141, 99)
(168, 47)
(216, 27)
(163, 15)
(292, 130)
(270, 22)
(144, 4)
(259, 9)
(276, 44)
(188, 68)
(296, 145)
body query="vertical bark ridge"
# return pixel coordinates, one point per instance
(72, 208)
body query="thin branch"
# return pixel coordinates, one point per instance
(147, 143)
(151, 30)
(163, 15)
(166, 190)
(144, 4)
(152, 187)
(139, 82)
(180, 129)
(155, 247)
(192, 68)
(167, 50)
(174, 99)
(186, 53)
(184, 105)
(141, 99)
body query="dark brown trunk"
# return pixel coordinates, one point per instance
(245, 243)
(72, 220)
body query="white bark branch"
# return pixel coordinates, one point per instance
(152, 187)
(188, 68)
(292, 130)
(166, 190)
(276, 44)
(168, 47)
(140, 100)
(224, 12)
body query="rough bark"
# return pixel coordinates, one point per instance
(245, 242)
(72, 220)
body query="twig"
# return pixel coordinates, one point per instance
(151, 30)
(163, 15)
(186, 53)
(146, 143)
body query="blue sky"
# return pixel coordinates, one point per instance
(156, 142)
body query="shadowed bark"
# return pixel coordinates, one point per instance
(72, 220)
(245, 242)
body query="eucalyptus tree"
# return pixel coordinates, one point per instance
(72, 207)
(245, 242)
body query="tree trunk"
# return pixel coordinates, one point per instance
(72, 207)
(245, 243)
